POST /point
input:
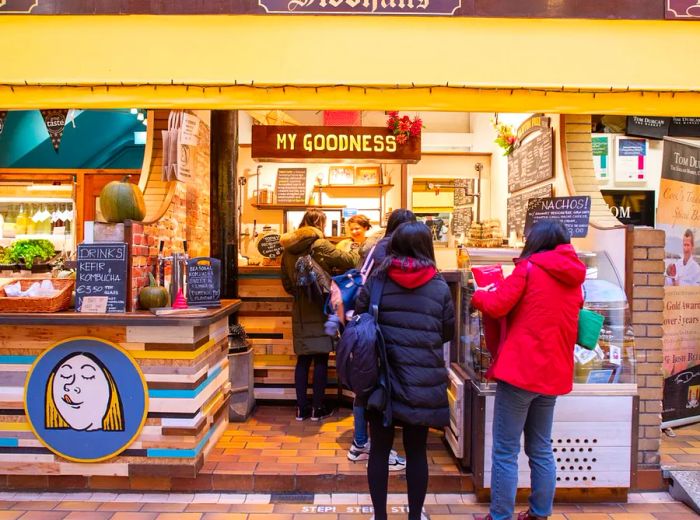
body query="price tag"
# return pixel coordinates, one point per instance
(94, 304)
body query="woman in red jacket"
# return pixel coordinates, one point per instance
(540, 301)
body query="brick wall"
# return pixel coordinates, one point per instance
(647, 320)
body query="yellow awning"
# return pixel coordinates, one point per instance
(350, 62)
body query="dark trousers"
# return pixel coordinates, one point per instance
(301, 378)
(415, 439)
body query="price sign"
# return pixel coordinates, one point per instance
(269, 246)
(102, 271)
(204, 282)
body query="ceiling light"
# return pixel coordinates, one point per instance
(140, 116)
(134, 110)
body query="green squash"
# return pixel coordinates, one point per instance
(121, 200)
(153, 295)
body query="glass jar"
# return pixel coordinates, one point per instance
(22, 221)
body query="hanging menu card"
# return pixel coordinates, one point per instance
(204, 282)
(291, 186)
(531, 162)
(574, 212)
(102, 272)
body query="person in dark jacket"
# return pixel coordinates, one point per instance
(360, 446)
(311, 344)
(540, 302)
(416, 317)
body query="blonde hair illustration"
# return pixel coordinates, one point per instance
(108, 407)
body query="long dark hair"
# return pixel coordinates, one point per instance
(412, 240)
(314, 218)
(545, 235)
(398, 217)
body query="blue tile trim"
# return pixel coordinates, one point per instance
(184, 394)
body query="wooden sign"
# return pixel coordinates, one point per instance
(204, 282)
(269, 246)
(574, 212)
(102, 271)
(331, 143)
(291, 186)
(531, 162)
(517, 207)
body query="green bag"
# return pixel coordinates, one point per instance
(589, 325)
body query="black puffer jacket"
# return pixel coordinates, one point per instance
(308, 316)
(416, 316)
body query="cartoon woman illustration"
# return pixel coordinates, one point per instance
(81, 394)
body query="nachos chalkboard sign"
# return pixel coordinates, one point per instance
(204, 282)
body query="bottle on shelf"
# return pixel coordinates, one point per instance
(44, 225)
(32, 220)
(8, 226)
(22, 221)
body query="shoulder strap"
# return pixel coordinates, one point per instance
(368, 265)
(375, 296)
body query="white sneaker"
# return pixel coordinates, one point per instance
(356, 452)
(396, 463)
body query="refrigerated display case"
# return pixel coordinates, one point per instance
(594, 426)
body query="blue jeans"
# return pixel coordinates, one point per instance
(517, 411)
(361, 437)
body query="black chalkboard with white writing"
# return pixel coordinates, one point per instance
(269, 246)
(574, 212)
(517, 207)
(532, 162)
(204, 282)
(645, 126)
(684, 127)
(102, 271)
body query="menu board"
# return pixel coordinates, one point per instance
(464, 192)
(532, 162)
(269, 245)
(517, 207)
(102, 271)
(461, 220)
(291, 186)
(574, 212)
(204, 282)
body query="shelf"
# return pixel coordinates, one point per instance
(294, 206)
(350, 186)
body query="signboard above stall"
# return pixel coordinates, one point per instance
(331, 144)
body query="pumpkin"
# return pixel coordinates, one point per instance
(153, 295)
(121, 200)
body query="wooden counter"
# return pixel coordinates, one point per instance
(184, 368)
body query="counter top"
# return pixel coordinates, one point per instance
(138, 318)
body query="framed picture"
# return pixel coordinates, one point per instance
(341, 175)
(368, 175)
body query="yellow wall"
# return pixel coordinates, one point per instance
(365, 51)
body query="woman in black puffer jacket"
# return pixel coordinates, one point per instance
(416, 316)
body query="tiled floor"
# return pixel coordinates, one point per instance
(215, 506)
(683, 450)
(272, 444)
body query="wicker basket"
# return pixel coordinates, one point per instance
(38, 304)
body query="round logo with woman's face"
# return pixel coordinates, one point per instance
(86, 399)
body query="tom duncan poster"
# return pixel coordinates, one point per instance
(679, 216)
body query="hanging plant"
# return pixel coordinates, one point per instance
(505, 137)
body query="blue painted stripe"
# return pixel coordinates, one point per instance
(178, 453)
(17, 360)
(184, 394)
(9, 443)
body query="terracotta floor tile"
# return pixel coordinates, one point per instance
(120, 506)
(131, 515)
(179, 516)
(633, 516)
(646, 508)
(74, 505)
(10, 515)
(35, 506)
(587, 516)
(88, 515)
(44, 515)
(601, 508)
(225, 516)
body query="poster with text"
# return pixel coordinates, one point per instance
(630, 159)
(601, 156)
(678, 215)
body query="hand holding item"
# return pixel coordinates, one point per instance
(671, 270)
(489, 287)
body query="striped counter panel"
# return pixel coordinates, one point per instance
(186, 370)
(266, 314)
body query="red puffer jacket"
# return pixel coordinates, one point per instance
(541, 305)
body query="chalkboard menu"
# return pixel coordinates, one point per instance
(517, 207)
(531, 162)
(204, 282)
(574, 212)
(464, 192)
(643, 126)
(269, 245)
(461, 220)
(102, 271)
(291, 186)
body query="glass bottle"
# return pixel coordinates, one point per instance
(8, 226)
(44, 225)
(21, 223)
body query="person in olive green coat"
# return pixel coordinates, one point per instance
(310, 341)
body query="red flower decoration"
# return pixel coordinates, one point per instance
(403, 127)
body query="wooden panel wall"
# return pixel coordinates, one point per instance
(185, 416)
(155, 190)
(577, 156)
